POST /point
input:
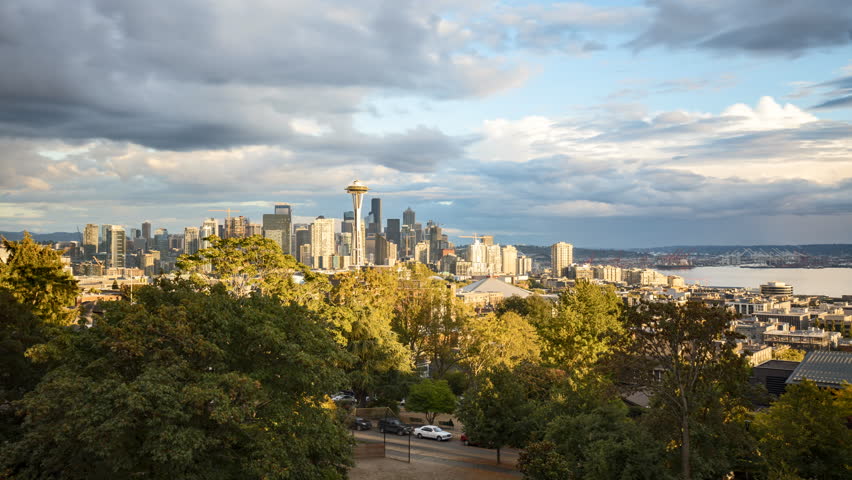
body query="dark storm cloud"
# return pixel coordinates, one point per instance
(190, 74)
(772, 27)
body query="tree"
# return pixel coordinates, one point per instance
(489, 341)
(683, 356)
(495, 412)
(805, 433)
(428, 318)
(790, 354)
(585, 331)
(431, 397)
(359, 312)
(187, 384)
(541, 461)
(115, 284)
(254, 263)
(35, 276)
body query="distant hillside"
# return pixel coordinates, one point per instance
(834, 250)
(579, 253)
(43, 237)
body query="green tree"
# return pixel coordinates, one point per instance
(805, 432)
(35, 276)
(682, 355)
(585, 331)
(541, 461)
(791, 354)
(359, 312)
(431, 397)
(187, 384)
(489, 341)
(251, 264)
(115, 284)
(496, 410)
(428, 318)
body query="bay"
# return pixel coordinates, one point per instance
(805, 281)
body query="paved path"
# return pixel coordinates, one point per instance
(430, 457)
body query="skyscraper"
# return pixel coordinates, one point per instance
(561, 257)
(376, 212)
(116, 246)
(357, 190)
(277, 227)
(392, 232)
(161, 240)
(385, 251)
(90, 239)
(408, 217)
(322, 242)
(146, 230)
(209, 228)
(435, 245)
(302, 239)
(191, 240)
(236, 227)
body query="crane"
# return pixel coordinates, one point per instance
(227, 219)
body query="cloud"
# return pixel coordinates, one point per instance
(839, 92)
(760, 27)
(227, 74)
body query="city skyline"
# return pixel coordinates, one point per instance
(611, 124)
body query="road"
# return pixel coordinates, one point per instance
(431, 455)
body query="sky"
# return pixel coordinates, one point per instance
(606, 124)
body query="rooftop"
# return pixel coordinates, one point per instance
(827, 369)
(494, 285)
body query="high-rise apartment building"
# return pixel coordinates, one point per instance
(116, 246)
(525, 265)
(90, 239)
(408, 217)
(561, 257)
(277, 226)
(494, 259)
(146, 230)
(191, 240)
(421, 252)
(510, 260)
(322, 242)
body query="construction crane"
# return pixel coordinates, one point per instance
(227, 219)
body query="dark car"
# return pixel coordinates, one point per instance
(393, 425)
(467, 441)
(361, 424)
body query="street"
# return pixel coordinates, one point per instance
(451, 456)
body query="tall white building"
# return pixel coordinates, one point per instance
(209, 228)
(510, 260)
(116, 246)
(561, 257)
(322, 242)
(494, 259)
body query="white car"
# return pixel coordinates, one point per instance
(431, 431)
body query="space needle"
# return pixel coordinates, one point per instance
(357, 190)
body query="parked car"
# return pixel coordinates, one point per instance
(393, 425)
(344, 398)
(431, 431)
(361, 424)
(468, 442)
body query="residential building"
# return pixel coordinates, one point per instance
(116, 246)
(277, 226)
(776, 289)
(90, 239)
(322, 242)
(561, 257)
(509, 260)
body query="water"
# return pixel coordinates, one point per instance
(805, 281)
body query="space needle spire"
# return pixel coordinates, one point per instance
(357, 190)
